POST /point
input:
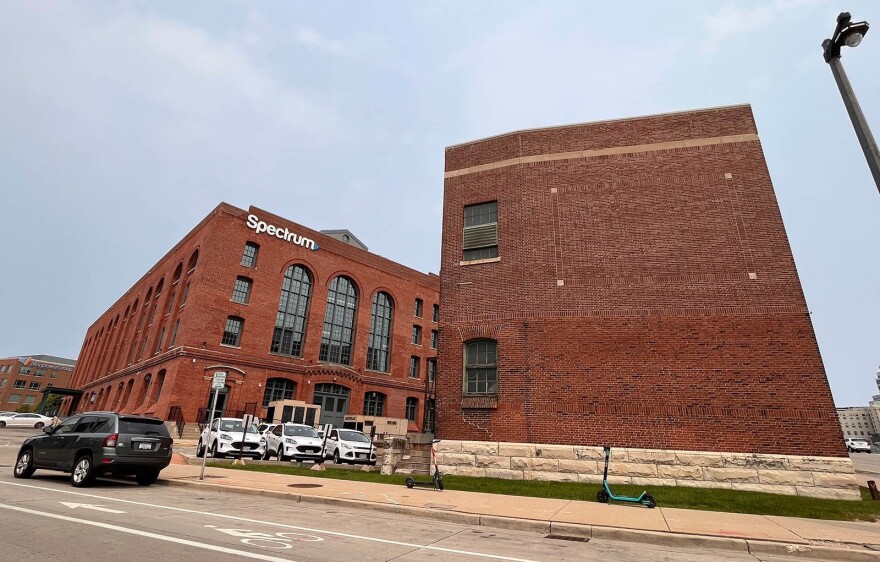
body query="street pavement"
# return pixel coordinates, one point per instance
(622, 531)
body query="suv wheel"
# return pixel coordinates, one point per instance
(24, 466)
(267, 454)
(83, 474)
(281, 455)
(215, 454)
(336, 457)
(147, 477)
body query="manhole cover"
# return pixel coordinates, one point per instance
(304, 485)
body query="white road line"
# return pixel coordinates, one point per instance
(147, 534)
(309, 529)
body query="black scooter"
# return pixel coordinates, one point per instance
(436, 478)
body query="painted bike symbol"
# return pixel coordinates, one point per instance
(276, 541)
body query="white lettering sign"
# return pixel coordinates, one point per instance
(259, 226)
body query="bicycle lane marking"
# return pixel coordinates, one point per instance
(147, 534)
(277, 541)
(272, 523)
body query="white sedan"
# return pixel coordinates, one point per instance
(35, 421)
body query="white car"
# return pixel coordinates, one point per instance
(348, 445)
(224, 437)
(294, 441)
(35, 421)
(858, 446)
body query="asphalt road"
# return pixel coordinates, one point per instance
(44, 518)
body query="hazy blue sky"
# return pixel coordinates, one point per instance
(122, 124)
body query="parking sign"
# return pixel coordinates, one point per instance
(219, 380)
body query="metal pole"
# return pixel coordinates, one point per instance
(863, 132)
(210, 432)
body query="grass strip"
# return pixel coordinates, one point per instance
(730, 501)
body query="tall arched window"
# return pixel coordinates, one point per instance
(293, 310)
(379, 345)
(481, 368)
(374, 404)
(338, 335)
(193, 260)
(412, 408)
(142, 395)
(278, 389)
(177, 272)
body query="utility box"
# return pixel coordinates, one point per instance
(296, 411)
(383, 426)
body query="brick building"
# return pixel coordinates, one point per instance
(629, 283)
(23, 379)
(287, 312)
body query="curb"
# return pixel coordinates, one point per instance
(856, 552)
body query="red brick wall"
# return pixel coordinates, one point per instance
(197, 351)
(651, 301)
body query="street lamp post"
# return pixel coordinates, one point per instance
(850, 34)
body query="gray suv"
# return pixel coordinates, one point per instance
(96, 444)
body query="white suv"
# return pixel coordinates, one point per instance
(294, 441)
(223, 437)
(348, 445)
(858, 446)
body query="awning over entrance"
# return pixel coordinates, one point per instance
(58, 391)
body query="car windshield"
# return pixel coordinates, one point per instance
(142, 426)
(235, 425)
(300, 431)
(355, 436)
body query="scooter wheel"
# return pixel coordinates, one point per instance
(648, 500)
(440, 484)
(410, 482)
(602, 496)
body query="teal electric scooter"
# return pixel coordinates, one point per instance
(605, 494)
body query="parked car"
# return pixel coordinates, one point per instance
(35, 421)
(265, 428)
(97, 444)
(294, 441)
(858, 446)
(348, 445)
(224, 437)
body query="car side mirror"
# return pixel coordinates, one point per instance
(48, 429)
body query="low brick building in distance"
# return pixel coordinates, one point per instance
(287, 312)
(627, 283)
(23, 379)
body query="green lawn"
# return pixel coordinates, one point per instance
(733, 501)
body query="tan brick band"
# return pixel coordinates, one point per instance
(594, 153)
(820, 477)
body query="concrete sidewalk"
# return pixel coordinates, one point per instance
(757, 534)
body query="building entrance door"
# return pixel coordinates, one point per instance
(221, 404)
(333, 400)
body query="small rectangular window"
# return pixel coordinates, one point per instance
(418, 313)
(435, 339)
(412, 405)
(241, 292)
(14, 398)
(159, 341)
(435, 315)
(249, 258)
(232, 332)
(18, 384)
(24, 371)
(480, 237)
(34, 386)
(53, 375)
(170, 302)
(40, 372)
(432, 369)
(413, 367)
(174, 334)
(3, 383)
(185, 294)
(30, 399)
(417, 335)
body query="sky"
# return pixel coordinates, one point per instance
(123, 124)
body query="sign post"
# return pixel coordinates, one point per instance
(217, 384)
(246, 422)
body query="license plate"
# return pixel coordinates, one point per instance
(361, 455)
(247, 447)
(145, 446)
